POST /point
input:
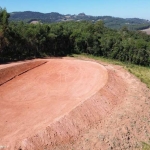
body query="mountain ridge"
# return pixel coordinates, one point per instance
(52, 17)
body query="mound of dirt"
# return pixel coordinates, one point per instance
(8, 72)
(73, 104)
(32, 101)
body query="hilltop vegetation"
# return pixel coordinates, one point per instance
(23, 41)
(53, 17)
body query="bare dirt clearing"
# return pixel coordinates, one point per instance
(69, 104)
(31, 101)
(146, 30)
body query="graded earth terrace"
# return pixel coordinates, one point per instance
(39, 96)
(70, 104)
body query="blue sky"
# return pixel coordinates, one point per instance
(117, 8)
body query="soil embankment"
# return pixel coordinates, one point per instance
(73, 104)
(37, 98)
(8, 72)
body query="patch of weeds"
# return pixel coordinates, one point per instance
(145, 146)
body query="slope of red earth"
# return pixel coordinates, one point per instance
(34, 99)
(10, 71)
(68, 104)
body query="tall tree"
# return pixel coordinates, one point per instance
(3, 27)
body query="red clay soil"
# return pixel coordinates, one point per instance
(8, 72)
(74, 105)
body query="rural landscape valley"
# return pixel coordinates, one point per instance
(73, 82)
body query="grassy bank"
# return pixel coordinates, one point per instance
(143, 73)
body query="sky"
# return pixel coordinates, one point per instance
(116, 8)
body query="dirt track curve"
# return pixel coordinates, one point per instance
(68, 104)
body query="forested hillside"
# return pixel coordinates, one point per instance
(20, 40)
(53, 17)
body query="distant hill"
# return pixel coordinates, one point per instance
(111, 22)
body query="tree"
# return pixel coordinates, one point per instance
(3, 27)
(4, 18)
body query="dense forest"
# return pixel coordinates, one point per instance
(19, 40)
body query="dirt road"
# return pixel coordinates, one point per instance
(33, 100)
(68, 104)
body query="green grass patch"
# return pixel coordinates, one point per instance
(145, 146)
(143, 73)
